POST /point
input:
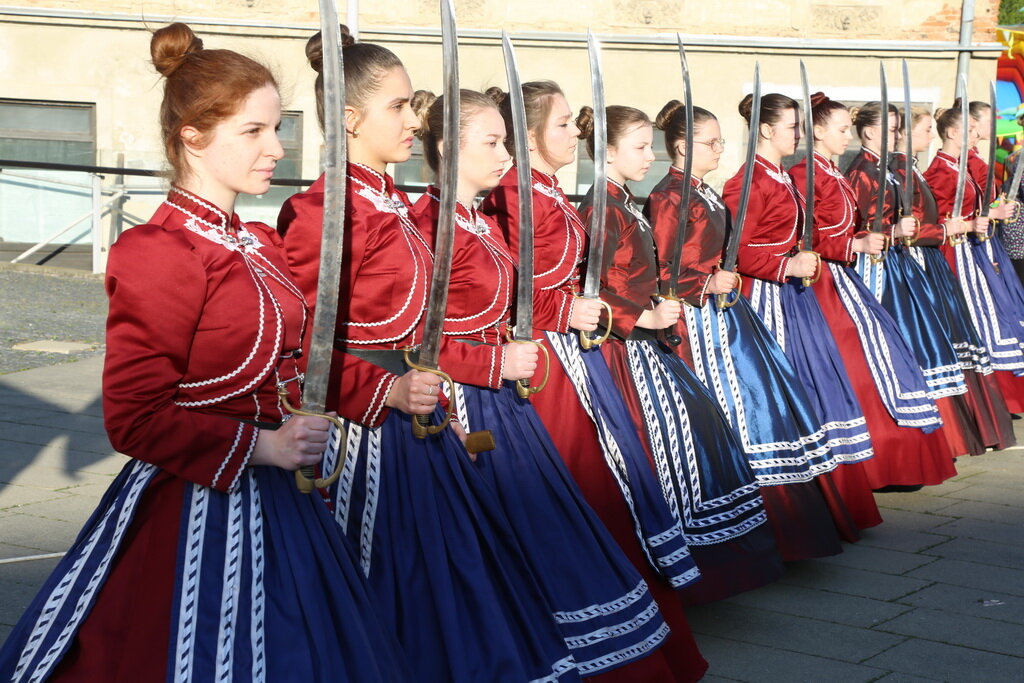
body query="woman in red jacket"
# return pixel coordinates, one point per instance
(987, 300)
(583, 411)
(983, 400)
(431, 539)
(737, 358)
(772, 266)
(543, 504)
(686, 432)
(193, 564)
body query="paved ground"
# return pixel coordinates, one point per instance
(935, 593)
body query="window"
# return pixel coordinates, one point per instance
(55, 132)
(413, 175)
(290, 134)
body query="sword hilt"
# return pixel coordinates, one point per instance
(880, 258)
(723, 300)
(589, 342)
(808, 281)
(305, 476)
(421, 426)
(523, 388)
(909, 241)
(669, 335)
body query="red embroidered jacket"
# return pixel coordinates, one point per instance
(629, 272)
(707, 225)
(835, 208)
(863, 176)
(479, 293)
(385, 278)
(558, 241)
(941, 177)
(204, 322)
(773, 221)
(931, 232)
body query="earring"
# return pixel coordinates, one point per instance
(355, 133)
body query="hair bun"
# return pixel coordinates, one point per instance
(171, 45)
(315, 47)
(585, 122)
(818, 99)
(420, 103)
(496, 94)
(746, 107)
(957, 103)
(664, 117)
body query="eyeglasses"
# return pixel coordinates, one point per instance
(716, 145)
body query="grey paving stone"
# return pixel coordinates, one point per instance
(43, 436)
(980, 634)
(974, 602)
(990, 493)
(45, 476)
(904, 540)
(72, 424)
(948, 662)
(5, 630)
(973, 575)
(946, 488)
(914, 502)
(40, 534)
(904, 678)
(710, 678)
(981, 552)
(68, 508)
(13, 495)
(17, 597)
(757, 664)
(827, 606)
(849, 581)
(8, 550)
(987, 511)
(877, 559)
(915, 521)
(986, 531)
(31, 573)
(784, 631)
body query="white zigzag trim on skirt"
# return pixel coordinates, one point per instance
(625, 654)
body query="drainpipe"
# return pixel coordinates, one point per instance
(963, 57)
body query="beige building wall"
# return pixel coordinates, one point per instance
(97, 51)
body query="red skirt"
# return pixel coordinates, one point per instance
(903, 456)
(986, 403)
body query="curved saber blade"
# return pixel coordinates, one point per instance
(314, 393)
(595, 254)
(990, 176)
(807, 243)
(961, 167)
(1018, 173)
(908, 149)
(524, 287)
(444, 239)
(684, 202)
(883, 167)
(733, 245)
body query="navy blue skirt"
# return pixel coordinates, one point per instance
(792, 314)
(993, 253)
(913, 303)
(601, 604)
(437, 548)
(266, 589)
(990, 308)
(741, 364)
(954, 314)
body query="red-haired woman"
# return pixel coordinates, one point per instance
(737, 358)
(988, 301)
(582, 409)
(430, 536)
(203, 561)
(984, 402)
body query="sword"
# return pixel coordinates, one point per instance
(1018, 173)
(990, 177)
(732, 245)
(883, 166)
(807, 241)
(524, 286)
(321, 347)
(684, 202)
(961, 167)
(437, 301)
(908, 161)
(595, 254)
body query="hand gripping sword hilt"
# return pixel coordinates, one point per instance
(723, 300)
(523, 388)
(909, 241)
(305, 477)
(587, 341)
(880, 257)
(421, 426)
(808, 281)
(669, 334)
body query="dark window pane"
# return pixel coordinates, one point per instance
(46, 120)
(52, 151)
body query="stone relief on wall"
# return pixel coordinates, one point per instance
(851, 19)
